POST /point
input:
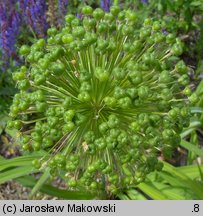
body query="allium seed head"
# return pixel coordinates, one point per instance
(102, 99)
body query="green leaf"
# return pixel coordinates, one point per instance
(191, 171)
(173, 187)
(179, 185)
(15, 173)
(175, 183)
(194, 186)
(199, 69)
(3, 121)
(135, 195)
(150, 190)
(197, 4)
(200, 171)
(193, 126)
(191, 147)
(45, 176)
(170, 179)
(18, 161)
(123, 196)
(13, 133)
(196, 110)
(178, 193)
(29, 181)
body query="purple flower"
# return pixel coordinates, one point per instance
(23, 4)
(9, 30)
(34, 13)
(165, 31)
(105, 5)
(62, 10)
(144, 1)
(3, 14)
(79, 15)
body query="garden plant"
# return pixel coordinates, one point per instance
(104, 101)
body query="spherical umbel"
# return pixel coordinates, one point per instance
(102, 99)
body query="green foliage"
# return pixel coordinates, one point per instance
(7, 90)
(20, 168)
(30, 182)
(173, 183)
(17, 167)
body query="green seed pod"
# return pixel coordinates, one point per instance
(102, 99)
(24, 50)
(52, 31)
(98, 14)
(67, 38)
(87, 10)
(101, 74)
(181, 67)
